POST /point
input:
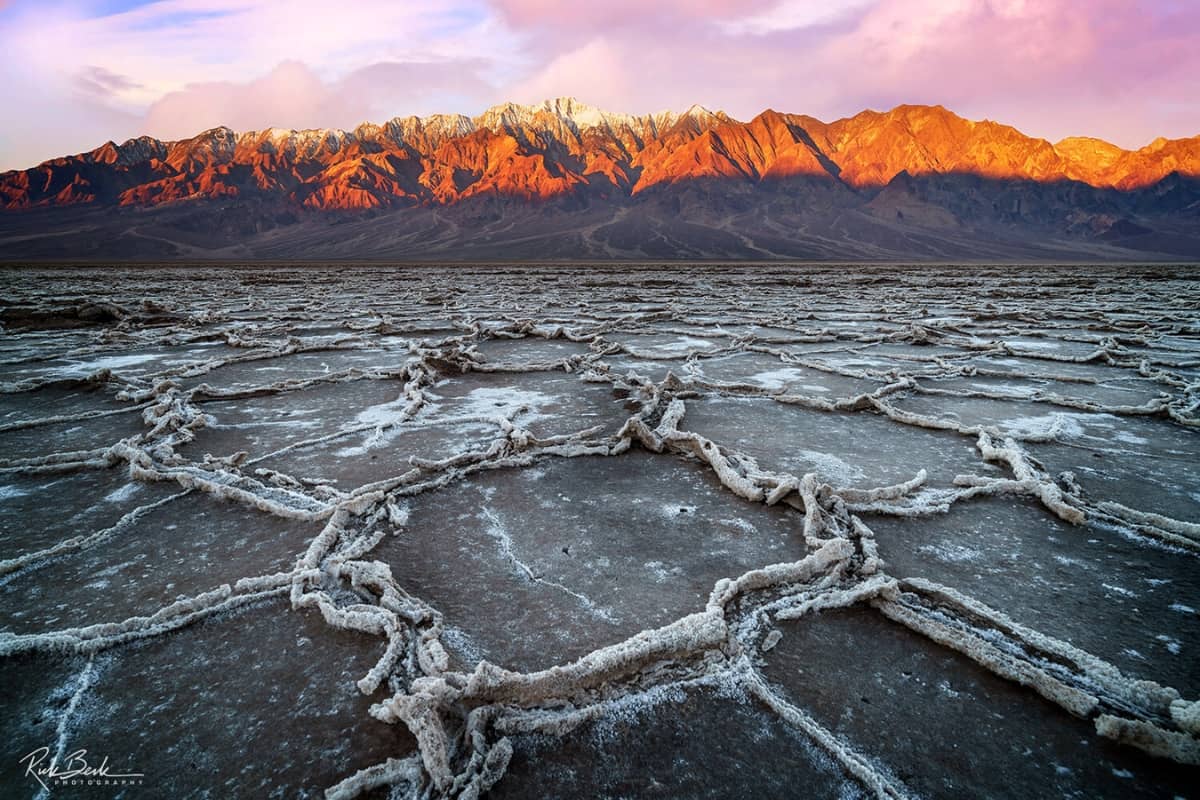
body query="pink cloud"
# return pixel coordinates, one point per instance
(100, 82)
(596, 72)
(290, 95)
(1119, 69)
(591, 17)
(1054, 67)
(293, 96)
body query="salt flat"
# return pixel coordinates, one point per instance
(617, 531)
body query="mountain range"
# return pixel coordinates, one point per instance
(564, 180)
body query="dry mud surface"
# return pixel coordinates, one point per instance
(686, 531)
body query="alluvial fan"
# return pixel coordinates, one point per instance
(687, 531)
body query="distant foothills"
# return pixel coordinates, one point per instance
(564, 180)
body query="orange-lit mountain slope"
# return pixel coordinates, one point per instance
(917, 166)
(562, 146)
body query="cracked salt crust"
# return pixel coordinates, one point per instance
(463, 722)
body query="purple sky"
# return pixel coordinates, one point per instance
(76, 73)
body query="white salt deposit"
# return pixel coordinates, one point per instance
(996, 489)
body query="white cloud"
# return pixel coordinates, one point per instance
(789, 15)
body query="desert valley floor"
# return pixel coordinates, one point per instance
(614, 531)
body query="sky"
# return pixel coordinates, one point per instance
(77, 73)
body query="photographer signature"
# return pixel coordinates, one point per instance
(74, 766)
